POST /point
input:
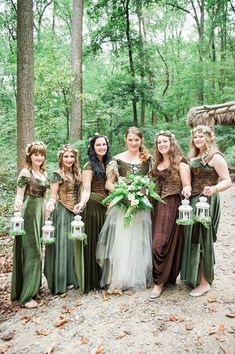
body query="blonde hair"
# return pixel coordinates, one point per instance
(143, 152)
(209, 136)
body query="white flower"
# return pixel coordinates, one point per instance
(131, 197)
(134, 202)
(131, 188)
(140, 193)
(143, 180)
(137, 179)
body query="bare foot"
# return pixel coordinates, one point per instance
(32, 304)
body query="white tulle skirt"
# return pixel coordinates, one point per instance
(124, 253)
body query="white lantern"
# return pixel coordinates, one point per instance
(203, 208)
(17, 224)
(77, 226)
(185, 211)
(48, 232)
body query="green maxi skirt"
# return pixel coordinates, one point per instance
(27, 254)
(198, 247)
(93, 217)
(59, 266)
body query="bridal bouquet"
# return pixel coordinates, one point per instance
(132, 193)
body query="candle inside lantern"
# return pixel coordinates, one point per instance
(203, 208)
(77, 226)
(17, 224)
(48, 232)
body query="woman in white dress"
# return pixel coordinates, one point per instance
(124, 253)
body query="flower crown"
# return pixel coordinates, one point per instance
(167, 132)
(28, 146)
(94, 136)
(63, 149)
(204, 129)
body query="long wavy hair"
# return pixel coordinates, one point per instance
(210, 140)
(75, 169)
(143, 152)
(97, 166)
(175, 153)
(33, 148)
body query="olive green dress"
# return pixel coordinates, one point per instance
(93, 217)
(59, 257)
(27, 253)
(198, 240)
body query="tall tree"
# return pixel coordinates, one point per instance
(25, 77)
(76, 114)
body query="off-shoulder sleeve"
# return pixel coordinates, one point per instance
(56, 177)
(22, 181)
(112, 168)
(87, 166)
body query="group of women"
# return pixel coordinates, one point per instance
(152, 250)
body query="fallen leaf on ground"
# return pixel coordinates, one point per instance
(212, 298)
(230, 314)
(4, 348)
(199, 341)
(98, 349)
(117, 292)
(175, 318)
(67, 309)
(84, 340)
(36, 320)
(105, 295)
(25, 319)
(211, 309)
(189, 326)
(231, 330)
(220, 337)
(221, 328)
(78, 303)
(61, 323)
(42, 332)
(122, 334)
(212, 331)
(7, 336)
(63, 295)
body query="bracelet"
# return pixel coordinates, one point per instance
(216, 189)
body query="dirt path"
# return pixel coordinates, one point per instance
(175, 323)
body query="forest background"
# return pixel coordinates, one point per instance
(144, 63)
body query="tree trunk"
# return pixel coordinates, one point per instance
(25, 78)
(130, 55)
(76, 114)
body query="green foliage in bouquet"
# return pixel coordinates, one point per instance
(82, 237)
(132, 193)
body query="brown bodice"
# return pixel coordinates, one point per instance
(35, 187)
(202, 175)
(167, 183)
(69, 189)
(98, 182)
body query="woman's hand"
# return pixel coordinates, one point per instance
(186, 191)
(50, 205)
(18, 203)
(209, 190)
(79, 207)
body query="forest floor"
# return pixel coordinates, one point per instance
(128, 323)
